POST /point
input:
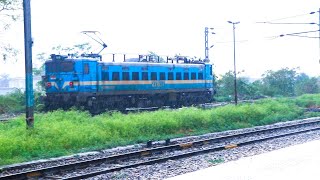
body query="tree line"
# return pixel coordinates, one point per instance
(285, 82)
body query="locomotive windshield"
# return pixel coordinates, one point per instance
(58, 66)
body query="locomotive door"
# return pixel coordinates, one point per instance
(208, 73)
(90, 76)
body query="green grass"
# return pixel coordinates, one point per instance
(63, 133)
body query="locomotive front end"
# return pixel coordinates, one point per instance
(61, 82)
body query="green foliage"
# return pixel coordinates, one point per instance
(12, 103)
(9, 12)
(308, 101)
(245, 89)
(282, 83)
(279, 83)
(66, 132)
(304, 84)
(15, 102)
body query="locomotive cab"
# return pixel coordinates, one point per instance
(60, 75)
(66, 77)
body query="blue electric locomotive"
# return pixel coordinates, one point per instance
(87, 81)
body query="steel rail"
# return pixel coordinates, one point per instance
(149, 151)
(184, 155)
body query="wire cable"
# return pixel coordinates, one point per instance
(290, 17)
(288, 34)
(302, 36)
(312, 23)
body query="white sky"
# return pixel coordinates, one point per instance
(169, 27)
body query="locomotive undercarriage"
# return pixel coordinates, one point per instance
(97, 103)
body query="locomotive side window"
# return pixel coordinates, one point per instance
(153, 76)
(178, 76)
(162, 76)
(52, 67)
(115, 76)
(86, 68)
(125, 76)
(170, 75)
(200, 75)
(210, 69)
(67, 66)
(135, 76)
(193, 76)
(186, 76)
(145, 76)
(105, 76)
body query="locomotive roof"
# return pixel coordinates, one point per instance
(135, 63)
(151, 64)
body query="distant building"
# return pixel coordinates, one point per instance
(18, 83)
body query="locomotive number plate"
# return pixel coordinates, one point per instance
(157, 83)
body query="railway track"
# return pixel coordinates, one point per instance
(8, 117)
(168, 151)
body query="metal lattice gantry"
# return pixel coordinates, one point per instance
(207, 30)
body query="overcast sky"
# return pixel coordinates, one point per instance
(169, 27)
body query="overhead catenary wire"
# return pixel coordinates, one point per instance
(300, 32)
(303, 36)
(285, 23)
(294, 23)
(290, 17)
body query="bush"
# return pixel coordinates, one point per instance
(12, 103)
(65, 132)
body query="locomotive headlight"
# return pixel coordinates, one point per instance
(71, 84)
(48, 85)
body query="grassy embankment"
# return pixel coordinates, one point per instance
(63, 133)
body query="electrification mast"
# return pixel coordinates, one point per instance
(28, 63)
(206, 46)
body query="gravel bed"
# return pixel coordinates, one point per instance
(177, 167)
(119, 150)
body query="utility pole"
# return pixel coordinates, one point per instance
(234, 61)
(319, 33)
(206, 42)
(28, 64)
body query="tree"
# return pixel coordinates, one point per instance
(306, 85)
(75, 50)
(279, 83)
(245, 89)
(10, 11)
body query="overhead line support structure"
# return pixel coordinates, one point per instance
(206, 42)
(28, 64)
(234, 61)
(319, 33)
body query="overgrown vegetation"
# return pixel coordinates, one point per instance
(15, 102)
(282, 83)
(63, 133)
(12, 103)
